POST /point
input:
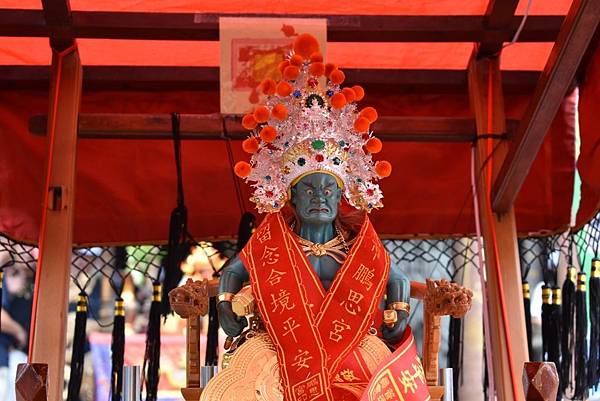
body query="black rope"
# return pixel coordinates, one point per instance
(236, 180)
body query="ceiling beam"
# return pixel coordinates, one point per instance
(499, 16)
(216, 126)
(58, 13)
(556, 79)
(340, 28)
(207, 78)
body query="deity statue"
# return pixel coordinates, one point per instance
(328, 307)
(326, 238)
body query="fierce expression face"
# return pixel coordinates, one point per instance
(316, 198)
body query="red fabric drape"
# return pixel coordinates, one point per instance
(588, 164)
(126, 188)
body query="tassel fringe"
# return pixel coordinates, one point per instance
(581, 346)
(527, 308)
(594, 363)
(118, 350)
(567, 329)
(151, 367)
(78, 352)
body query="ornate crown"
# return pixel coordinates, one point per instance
(309, 124)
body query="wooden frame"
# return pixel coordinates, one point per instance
(557, 77)
(341, 28)
(207, 78)
(216, 126)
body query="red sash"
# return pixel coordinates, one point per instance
(313, 331)
(400, 376)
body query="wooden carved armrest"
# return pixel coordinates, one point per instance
(440, 298)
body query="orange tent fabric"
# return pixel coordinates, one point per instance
(126, 188)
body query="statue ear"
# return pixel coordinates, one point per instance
(293, 195)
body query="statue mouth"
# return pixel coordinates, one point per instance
(318, 210)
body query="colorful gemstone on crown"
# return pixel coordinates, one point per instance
(318, 144)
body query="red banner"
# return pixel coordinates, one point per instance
(315, 332)
(400, 376)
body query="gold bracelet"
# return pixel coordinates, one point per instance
(390, 317)
(225, 297)
(403, 306)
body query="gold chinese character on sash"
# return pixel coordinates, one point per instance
(264, 234)
(282, 302)
(375, 248)
(290, 326)
(270, 256)
(390, 395)
(301, 359)
(346, 375)
(338, 327)
(275, 277)
(351, 303)
(408, 378)
(364, 275)
(308, 389)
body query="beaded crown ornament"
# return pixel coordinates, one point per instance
(309, 123)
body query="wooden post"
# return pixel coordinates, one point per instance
(505, 302)
(192, 390)
(49, 323)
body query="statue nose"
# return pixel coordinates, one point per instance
(318, 198)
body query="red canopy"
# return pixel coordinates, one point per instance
(126, 188)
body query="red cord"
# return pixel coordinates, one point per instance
(51, 138)
(490, 155)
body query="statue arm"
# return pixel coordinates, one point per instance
(398, 290)
(232, 279)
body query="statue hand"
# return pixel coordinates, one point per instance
(394, 334)
(232, 324)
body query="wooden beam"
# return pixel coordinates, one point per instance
(340, 28)
(49, 321)
(58, 13)
(207, 78)
(216, 126)
(557, 77)
(504, 299)
(499, 16)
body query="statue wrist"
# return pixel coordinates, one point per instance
(225, 297)
(399, 306)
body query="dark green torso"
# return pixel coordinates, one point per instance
(325, 267)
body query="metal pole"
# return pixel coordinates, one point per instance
(207, 373)
(447, 381)
(132, 383)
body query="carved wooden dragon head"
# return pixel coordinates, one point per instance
(446, 298)
(191, 299)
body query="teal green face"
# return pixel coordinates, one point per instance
(316, 198)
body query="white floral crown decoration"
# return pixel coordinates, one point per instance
(310, 124)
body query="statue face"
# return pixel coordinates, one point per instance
(316, 198)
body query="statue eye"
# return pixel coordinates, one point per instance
(327, 192)
(310, 192)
